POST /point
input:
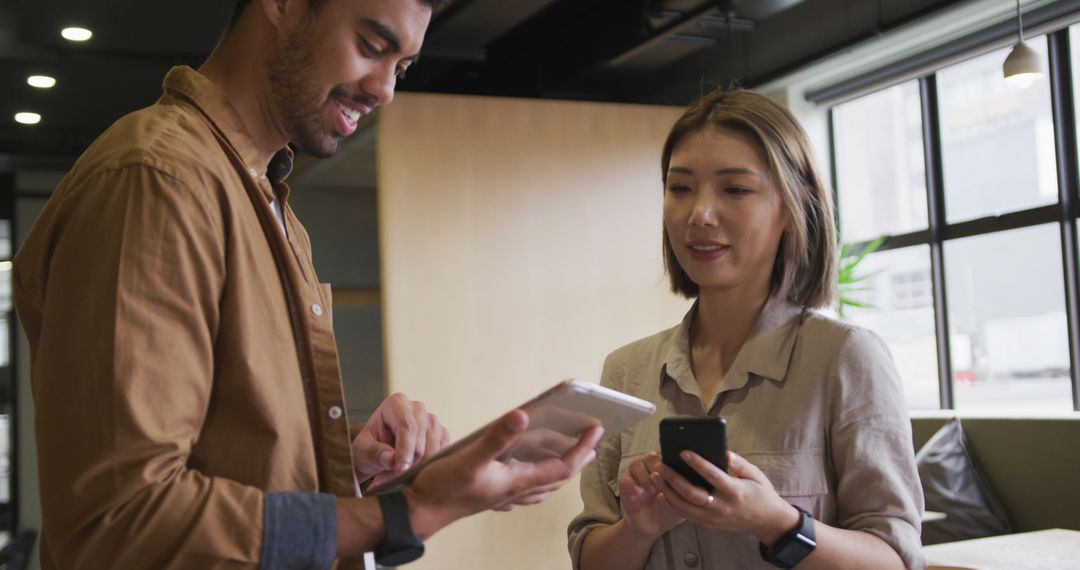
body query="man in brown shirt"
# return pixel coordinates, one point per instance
(185, 374)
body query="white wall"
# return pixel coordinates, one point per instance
(520, 244)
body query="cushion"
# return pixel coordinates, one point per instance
(953, 485)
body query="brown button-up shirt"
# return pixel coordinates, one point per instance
(816, 404)
(182, 355)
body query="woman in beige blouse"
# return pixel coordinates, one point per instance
(815, 411)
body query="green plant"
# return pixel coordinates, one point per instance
(850, 283)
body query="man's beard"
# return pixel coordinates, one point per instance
(295, 94)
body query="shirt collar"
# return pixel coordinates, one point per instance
(188, 84)
(766, 353)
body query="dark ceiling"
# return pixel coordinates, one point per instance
(646, 51)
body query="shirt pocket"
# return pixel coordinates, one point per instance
(794, 473)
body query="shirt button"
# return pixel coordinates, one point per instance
(690, 559)
(335, 412)
(254, 173)
(316, 309)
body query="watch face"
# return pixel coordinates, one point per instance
(794, 551)
(794, 547)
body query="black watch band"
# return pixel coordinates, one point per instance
(794, 546)
(401, 544)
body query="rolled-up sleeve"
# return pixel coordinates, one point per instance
(601, 505)
(300, 531)
(878, 489)
(120, 299)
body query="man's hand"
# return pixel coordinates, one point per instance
(400, 433)
(473, 480)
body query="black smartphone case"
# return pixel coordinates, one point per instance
(705, 436)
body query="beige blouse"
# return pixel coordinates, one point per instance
(815, 403)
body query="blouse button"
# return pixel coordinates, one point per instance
(335, 412)
(690, 559)
(316, 309)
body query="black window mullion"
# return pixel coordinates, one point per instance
(1036, 216)
(1064, 113)
(935, 203)
(895, 241)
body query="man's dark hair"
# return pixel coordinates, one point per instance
(436, 7)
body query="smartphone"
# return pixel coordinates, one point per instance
(706, 437)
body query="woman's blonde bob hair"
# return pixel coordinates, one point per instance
(804, 271)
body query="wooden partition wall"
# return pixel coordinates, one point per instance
(520, 244)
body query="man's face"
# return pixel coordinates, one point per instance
(340, 62)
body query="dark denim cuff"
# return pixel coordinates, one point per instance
(300, 531)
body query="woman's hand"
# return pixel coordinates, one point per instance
(743, 499)
(644, 512)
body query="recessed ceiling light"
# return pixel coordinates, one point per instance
(76, 34)
(27, 118)
(41, 81)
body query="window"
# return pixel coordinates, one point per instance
(1074, 58)
(995, 249)
(881, 179)
(1009, 333)
(6, 306)
(7, 382)
(900, 308)
(997, 140)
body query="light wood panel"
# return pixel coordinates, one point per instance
(520, 244)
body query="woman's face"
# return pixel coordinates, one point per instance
(723, 211)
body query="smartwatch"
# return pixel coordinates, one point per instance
(794, 546)
(401, 544)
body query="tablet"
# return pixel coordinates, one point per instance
(557, 418)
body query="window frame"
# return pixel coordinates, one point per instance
(1065, 212)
